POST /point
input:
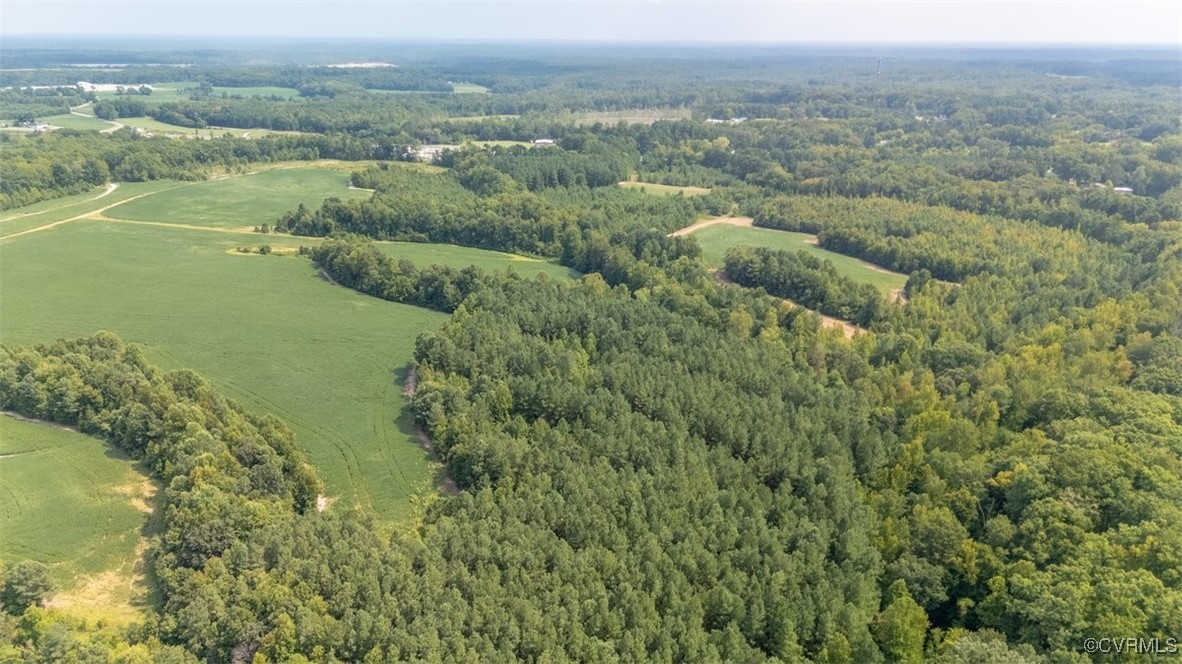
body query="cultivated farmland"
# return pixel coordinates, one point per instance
(244, 201)
(267, 330)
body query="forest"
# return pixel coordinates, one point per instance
(656, 461)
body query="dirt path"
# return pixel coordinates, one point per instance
(827, 322)
(110, 188)
(17, 416)
(241, 230)
(447, 484)
(745, 222)
(115, 125)
(85, 215)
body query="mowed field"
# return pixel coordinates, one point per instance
(717, 239)
(267, 330)
(167, 92)
(664, 189)
(245, 201)
(158, 128)
(75, 121)
(78, 505)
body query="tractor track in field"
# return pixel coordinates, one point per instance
(743, 222)
(849, 330)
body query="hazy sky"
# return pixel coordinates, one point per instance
(940, 21)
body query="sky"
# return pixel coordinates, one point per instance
(768, 21)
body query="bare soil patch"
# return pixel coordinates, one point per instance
(447, 485)
(828, 322)
(745, 222)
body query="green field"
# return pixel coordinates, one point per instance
(164, 129)
(468, 88)
(74, 503)
(18, 220)
(664, 189)
(267, 330)
(244, 201)
(634, 116)
(257, 91)
(172, 91)
(81, 122)
(716, 240)
(453, 256)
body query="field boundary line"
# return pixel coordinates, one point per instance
(744, 222)
(89, 214)
(111, 187)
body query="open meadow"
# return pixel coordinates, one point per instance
(716, 239)
(664, 189)
(76, 504)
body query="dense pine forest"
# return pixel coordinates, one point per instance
(663, 460)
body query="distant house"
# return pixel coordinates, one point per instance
(1123, 190)
(543, 141)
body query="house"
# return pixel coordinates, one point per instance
(543, 142)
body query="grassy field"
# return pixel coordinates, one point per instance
(258, 91)
(76, 504)
(245, 201)
(72, 121)
(164, 129)
(664, 189)
(635, 116)
(716, 240)
(453, 256)
(267, 330)
(468, 88)
(501, 144)
(172, 91)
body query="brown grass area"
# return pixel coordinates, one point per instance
(745, 222)
(848, 330)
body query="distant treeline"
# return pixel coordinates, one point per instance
(44, 166)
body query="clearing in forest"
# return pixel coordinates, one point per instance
(80, 506)
(664, 189)
(717, 236)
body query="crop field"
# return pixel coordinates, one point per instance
(257, 91)
(716, 240)
(459, 257)
(468, 88)
(245, 201)
(76, 504)
(634, 116)
(664, 189)
(164, 129)
(75, 121)
(172, 91)
(267, 330)
(21, 220)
